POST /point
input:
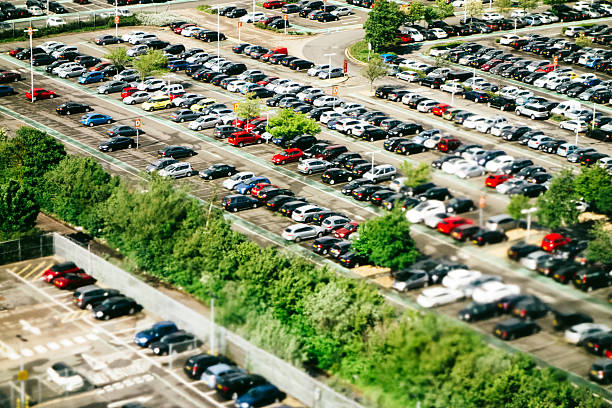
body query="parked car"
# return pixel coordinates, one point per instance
(65, 377)
(158, 330)
(87, 297)
(175, 342)
(513, 328)
(115, 307)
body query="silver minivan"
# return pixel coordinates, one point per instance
(501, 222)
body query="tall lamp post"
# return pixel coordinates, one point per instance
(218, 7)
(212, 324)
(329, 65)
(528, 211)
(30, 32)
(372, 153)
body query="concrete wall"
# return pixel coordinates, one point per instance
(285, 376)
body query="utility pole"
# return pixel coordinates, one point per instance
(329, 65)
(30, 32)
(372, 168)
(116, 20)
(528, 211)
(212, 325)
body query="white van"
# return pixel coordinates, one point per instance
(170, 88)
(566, 106)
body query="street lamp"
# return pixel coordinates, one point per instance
(372, 153)
(212, 324)
(528, 211)
(329, 65)
(30, 32)
(218, 35)
(116, 21)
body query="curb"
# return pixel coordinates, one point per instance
(349, 56)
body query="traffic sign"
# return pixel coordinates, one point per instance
(116, 19)
(22, 375)
(556, 59)
(137, 123)
(345, 69)
(236, 106)
(482, 202)
(335, 90)
(30, 31)
(239, 24)
(285, 17)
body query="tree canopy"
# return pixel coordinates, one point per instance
(249, 109)
(375, 69)
(288, 124)
(557, 206)
(415, 174)
(384, 20)
(153, 62)
(18, 209)
(600, 245)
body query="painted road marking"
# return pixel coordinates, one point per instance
(53, 346)
(40, 349)
(79, 339)
(66, 342)
(26, 352)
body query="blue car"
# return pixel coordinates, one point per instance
(6, 90)
(156, 332)
(260, 396)
(91, 77)
(592, 82)
(388, 57)
(476, 96)
(179, 65)
(93, 119)
(247, 185)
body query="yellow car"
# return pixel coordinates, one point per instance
(203, 104)
(157, 102)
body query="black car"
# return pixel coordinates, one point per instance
(301, 142)
(121, 130)
(323, 245)
(598, 343)
(224, 131)
(234, 385)
(435, 193)
(352, 260)
(336, 175)
(160, 164)
(176, 342)
(517, 165)
(195, 366)
(340, 248)
(115, 307)
(520, 250)
(601, 371)
(87, 297)
(478, 311)
(564, 319)
(157, 44)
(269, 192)
(237, 202)
(592, 278)
(373, 134)
(420, 189)
(42, 59)
(502, 103)
(344, 157)
(176, 152)
(513, 328)
(489, 237)
(69, 108)
(383, 91)
(217, 171)
(530, 308)
(530, 190)
(117, 143)
(276, 203)
(407, 147)
(392, 143)
(87, 61)
(237, 12)
(9, 76)
(288, 207)
(365, 192)
(405, 129)
(174, 49)
(460, 205)
(350, 187)
(57, 8)
(325, 17)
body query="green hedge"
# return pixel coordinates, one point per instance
(304, 314)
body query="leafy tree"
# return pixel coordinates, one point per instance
(517, 204)
(375, 69)
(554, 2)
(414, 12)
(603, 202)
(473, 9)
(503, 6)
(75, 187)
(415, 174)
(583, 41)
(249, 109)
(441, 61)
(153, 62)
(528, 4)
(430, 14)
(590, 181)
(3, 135)
(600, 246)
(444, 9)
(557, 206)
(386, 241)
(288, 124)
(383, 22)
(118, 56)
(18, 209)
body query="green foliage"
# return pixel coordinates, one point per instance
(600, 245)
(517, 204)
(383, 22)
(503, 6)
(430, 14)
(375, 69)
(18, 209)
(386, 241)
(528, 4)
(153, 62)
(118, 56)
(473, 8)
(441, 61)
(206, 8)
(553, 2)
(594, 185)
(415, 174)
(583, 41)
(557, 206)
(288, 124)
(444, 9)
(3, 135)
(249, 109)
(414, 12)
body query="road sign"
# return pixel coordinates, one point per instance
(116, 19)
(235, 106)
(335, 90)
(137, 123)
(239, 24)
(22, 375)
(345, 66)
(556, 59)
(30, 31)
(482, 202)
(285, 17)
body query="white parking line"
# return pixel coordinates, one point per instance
(26, 352)
(79, 340)
(92, 336)
(53, 345)
(66, 342)
(40, 349)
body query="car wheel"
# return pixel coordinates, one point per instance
(371, 139)
(309, 171)
(259, 141)
(235, 209)
(105, 92)
(589, 289)
(502, 108)
(518, 112)
(319, 235)
(476, 100)
(325, 252)
(532, 117)
(106, 317)
(109, 121)
(234, 395)
(356, 265)
(332, 182)
(91, 124)
(240, 144)
(512, 337)
(89, 306)
(254, 205)
(132, 310)
(298, 239)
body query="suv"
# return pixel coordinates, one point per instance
(330, 152)
(234, 385)
(302, 142)
(87, 297)
(447, 144)
(380, 173)
(157, 331)
(534, 111)
(243, 138)
(178, 170)
(196, 365)
(590, 279)
(238, 202)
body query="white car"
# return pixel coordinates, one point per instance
(579, 332)
(327, 101)
(342, 11)
(191, 31)
(126, 37)
(410, 76)
(497, 163)
(470, 170)
(380, 173)
(498, 129)
(458, 278)
(485, 126)
(234, 86)
(204, 122)
(137, 37)
(451, 166)
(473, 121)
(347, 106)
(277, 82)
(237, 178)
(416, 35)
(507, 39)
(439, 33)
(253, 17)
(298, 232)
(532, 260)
(493, 291)
(574, 125)
(432, 297)
(151, 85)
(49, 46)
(178, 170)
(300, 214)
(492, 16)
(314, 71)
(452, 87)
(518, 13)
(137, 97)
(36, 11)
(64, 376)
(54, 21)
(426, 106)
(432, 142)
(60, 51)
(423, 210)
(136, 50)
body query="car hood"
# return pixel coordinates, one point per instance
(146, 333)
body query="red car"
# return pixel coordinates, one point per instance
(240, 122)
(255, 190)
(128, 90)
(495, 180)
(547, 68)
(447, 144)
(179, 29)
(266, 81)
(273, 4)
(448, 224)
(553, 241)
(9, 76)
(15, 51)
(243, 138)
(40, 93)
(100, 66)
(439, 109)
(488, 65)
(59, 270)
(176, 94)
(289, 155)
(74, 280)
(254, 123)
(347, 230)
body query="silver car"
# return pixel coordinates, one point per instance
(534, 259)
(299, 232)
(137, 97)
(204, 122)
(178, 170)
(160, 164)
(334, 222)
(505, 187)
(310, 166)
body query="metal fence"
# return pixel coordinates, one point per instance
(26, 248)
(294, 381)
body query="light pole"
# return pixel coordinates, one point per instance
(239, 26)
(528, 211)
(30, 32)
(212, 325)
(218, 36)
(576, 131)
(329, 65)
(372, 153)
(253, 11)
(593, 122)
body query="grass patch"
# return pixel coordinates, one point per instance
(359, 51)
(452, 44)
(206, 8)
(555, 117)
